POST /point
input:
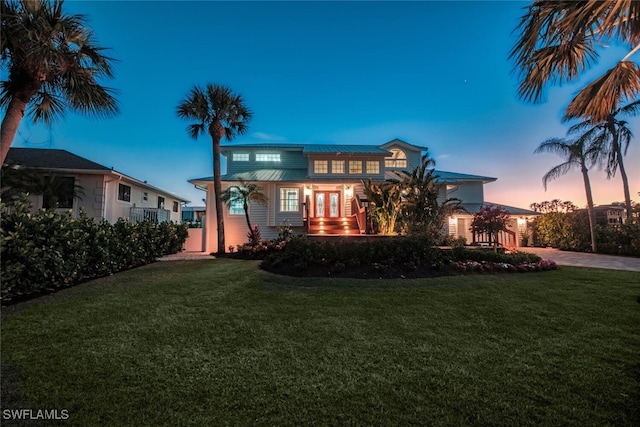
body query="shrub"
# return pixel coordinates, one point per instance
(48, 250)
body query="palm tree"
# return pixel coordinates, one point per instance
(385, 204)
(244, 193)
(577, 153)
(220, 113)
(558, 42)
(53, 64)
(612, 138)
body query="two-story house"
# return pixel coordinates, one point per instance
(101, 192)
(317, 189)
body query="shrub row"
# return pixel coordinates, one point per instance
(48, 250)
(398, 254)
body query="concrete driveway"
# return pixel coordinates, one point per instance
(581, 259)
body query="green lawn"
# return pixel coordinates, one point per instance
(222, 343)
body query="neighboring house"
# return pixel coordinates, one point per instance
(318, 189)
(193, 214)
(614, 214)
(104, 192)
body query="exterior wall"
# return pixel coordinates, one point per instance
(470, 192)
(288, 160)
(121, 209)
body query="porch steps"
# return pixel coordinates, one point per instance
(333, 226)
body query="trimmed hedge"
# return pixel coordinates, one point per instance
(47, 250)
(398, 256)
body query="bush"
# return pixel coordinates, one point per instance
(48, 250)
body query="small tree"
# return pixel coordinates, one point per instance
(245, 193)
(491, 220)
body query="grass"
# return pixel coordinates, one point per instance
(223, 343)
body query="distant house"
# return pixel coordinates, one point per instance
(100, 191)
(614, 214)
(318, 189)
(193, 214)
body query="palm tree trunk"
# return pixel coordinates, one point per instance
(10, 124)
(217, 132)
(623, 172)
(245, 206)
(590, 210)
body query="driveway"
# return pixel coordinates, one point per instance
(581, 259)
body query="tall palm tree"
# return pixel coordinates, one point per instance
(244, 193)
(559, 40)
(578, 153)
(220, 113)
(53, 64)
(612, 138)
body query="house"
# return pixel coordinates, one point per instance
(98, 190)
(613, 214)
(318, 189)
(193, 214)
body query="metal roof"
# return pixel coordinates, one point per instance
(449, 177)
(344, 149)
(474, 208)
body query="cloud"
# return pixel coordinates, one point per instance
(267, 137)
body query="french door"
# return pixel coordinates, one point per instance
(327, 204)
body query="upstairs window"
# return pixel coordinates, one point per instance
(398, 159)
(124, 193)
(373, 167)
(175, 206)
(240, 157)
(337, 166)
(160, 202)
(267, 157)
(355, 166)
(320, 166)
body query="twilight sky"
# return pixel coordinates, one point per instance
(431, 73)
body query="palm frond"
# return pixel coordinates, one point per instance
(556, 172)
(600, 98)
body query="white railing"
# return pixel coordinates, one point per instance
(149, 214)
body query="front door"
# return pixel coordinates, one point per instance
(327, 204)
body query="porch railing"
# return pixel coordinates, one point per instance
(359, 210)
(506, 238)
(149, 214)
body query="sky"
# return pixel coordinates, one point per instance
(434, 74)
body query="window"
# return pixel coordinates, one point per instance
(398, 159)
(373, 167)
(267, 157)
(337, 166)
(289, 199)
(320, 166)
(240, 157)
(236, 206)
(61, 194)
(145, 196)
(355, 166)
(175, 206)
(124, 193)
(160, 202)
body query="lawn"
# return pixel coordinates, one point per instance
(220, 342)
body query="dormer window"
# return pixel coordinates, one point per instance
(267, 157)
(398, 159)
(240, 157)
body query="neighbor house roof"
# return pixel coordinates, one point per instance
(51, 159)
(63, 161)
(474, 208)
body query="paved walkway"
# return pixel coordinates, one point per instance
(581, 259)
(187, 256)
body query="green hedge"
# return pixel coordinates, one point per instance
(48, 250)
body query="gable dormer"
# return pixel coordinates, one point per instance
(404, 156)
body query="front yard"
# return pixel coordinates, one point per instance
(222, 343)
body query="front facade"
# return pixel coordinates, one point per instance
(318, 189)
(101, 192)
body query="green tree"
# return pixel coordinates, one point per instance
(578, 153)
(611, 138)
(491, 220)
(244, 193)
(220, 113)
(53, 65)
(56, 190)
(422, 211)
(559, 40)
(385, 204)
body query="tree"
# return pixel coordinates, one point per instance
(220, 113)
(559, 40)
(422, 212)
(245, 193)
(57, 191)
(611, 138)
(579, 153)
(491, 220)
(385, 204)
(54, 65)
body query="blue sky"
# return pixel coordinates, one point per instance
(431, 73)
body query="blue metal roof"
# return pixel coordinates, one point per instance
(449, 177)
